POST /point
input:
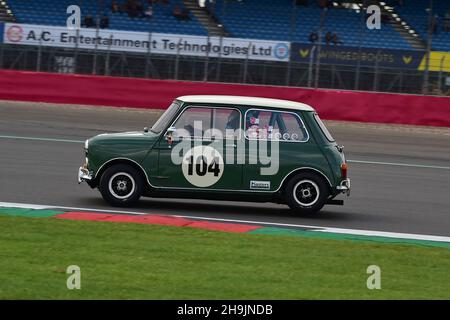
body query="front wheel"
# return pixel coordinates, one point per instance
(307, 193)
(121, 185)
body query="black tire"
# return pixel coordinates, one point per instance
(121, 185)
(307, 193)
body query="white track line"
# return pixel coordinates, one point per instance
(394, 235)
(22, 206)
(41, 139)
(399, 164)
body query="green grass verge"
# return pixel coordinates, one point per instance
(133, 261)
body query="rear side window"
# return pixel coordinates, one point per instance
(323, 128)
(261, 124)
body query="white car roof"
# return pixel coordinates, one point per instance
(252, 101)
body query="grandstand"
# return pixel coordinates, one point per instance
(258, 19)
(53, 12)
(261, 19)
(267, 19)
(417, 15)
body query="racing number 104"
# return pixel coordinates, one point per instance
(202, 167)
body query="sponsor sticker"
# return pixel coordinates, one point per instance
(260, 185)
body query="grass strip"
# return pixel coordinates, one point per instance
(138, 261)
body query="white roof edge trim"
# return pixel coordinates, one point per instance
(244, 100)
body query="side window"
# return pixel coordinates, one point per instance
(274, 125)
(227, 122)
(258, 124)
(193, 122)
(198, 122)
(293, 128)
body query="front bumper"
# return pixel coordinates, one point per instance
(344, 187)
(84, 175)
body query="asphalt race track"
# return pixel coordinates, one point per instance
(400, 174)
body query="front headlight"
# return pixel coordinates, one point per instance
(86, 145)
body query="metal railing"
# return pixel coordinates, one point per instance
(428, 76)
(180, 67)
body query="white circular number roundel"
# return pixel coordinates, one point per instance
(202, 166)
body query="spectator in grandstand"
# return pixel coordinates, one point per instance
(89, 21)
(176, 11)
(134, 8)
(149, 12)
(115, 8)
(328, 37)
(180, 14)
(104, 22)
(313, 37)
(384, 18)
(434, 25)
(140, 5)
(447, 22)
(335, 39)
(304, 3)
(324, 3)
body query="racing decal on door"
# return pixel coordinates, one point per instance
(262, 185)
(202, 166)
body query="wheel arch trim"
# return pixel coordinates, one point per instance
(107, 163)
(293, 172)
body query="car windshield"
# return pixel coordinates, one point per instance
(163, 121)
(323, 128)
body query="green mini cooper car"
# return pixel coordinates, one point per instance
(222, 148)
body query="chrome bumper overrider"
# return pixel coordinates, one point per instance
(83, 175)
(344, 187)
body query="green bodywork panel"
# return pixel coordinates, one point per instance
(152, 153)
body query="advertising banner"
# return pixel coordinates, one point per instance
(344, 55)
(439, 61)
(143, 42)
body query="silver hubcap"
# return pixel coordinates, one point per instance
(306, 193)
(121, 185)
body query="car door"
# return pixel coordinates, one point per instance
(199, 151)
(287, 147)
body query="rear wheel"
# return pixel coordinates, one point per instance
(307, 193)
(121, 185)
